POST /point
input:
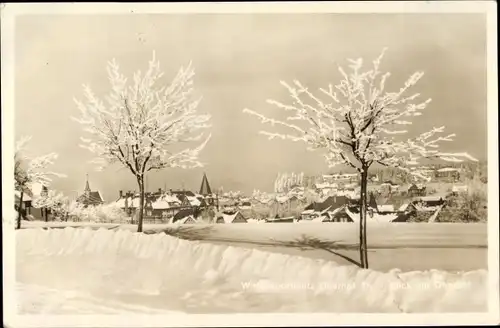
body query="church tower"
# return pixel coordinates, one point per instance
(206, 191)
(87, 188)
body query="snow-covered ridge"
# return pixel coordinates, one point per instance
(191, 276)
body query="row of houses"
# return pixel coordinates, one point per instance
(171, 205)
(30, 212)
(345, 209)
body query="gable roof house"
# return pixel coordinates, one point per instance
(30, 212)
(416, 190)
(183, 213)
(427, 205)
(236, 217)
(447, 172)
(457, 189)
(89, 197)
(187, 220)
(328, 205)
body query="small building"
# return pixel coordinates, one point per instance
(30, 212)
(428, 205)
(183, 213)
(187, 220)
(416, 190)
(448, 173)
(236, 217)
(385, 208)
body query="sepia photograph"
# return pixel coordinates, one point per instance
(235, 164)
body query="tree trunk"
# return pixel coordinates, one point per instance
(140, 181)
(363, 251)
(20, 209)
(46, 214)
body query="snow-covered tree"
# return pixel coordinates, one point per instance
(29, 171)
(144, 124)
(57, 202)
(356, 123)
(104, 213)
(285, 181)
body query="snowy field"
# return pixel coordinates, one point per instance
(104, 271)
(444, 246)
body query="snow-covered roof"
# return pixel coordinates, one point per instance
(431, 198)
(229, 218)
(404, 207)
(385, 208)
(326, 185)
(160, 204)
(448, 169)
(378, 218)
(421, 208)
(187, 219)
(171, 199)
(194, 201)
(282, 199)
(131, 202)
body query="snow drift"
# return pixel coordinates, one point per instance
(163, 272)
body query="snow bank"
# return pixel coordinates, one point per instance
(163, 272)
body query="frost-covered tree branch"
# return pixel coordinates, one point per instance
(57, 202)
(358, 123)
(137, 123)
(141, 124)
(29, 171)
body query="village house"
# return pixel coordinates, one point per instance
(448, 173)
(427, 205)
(187, 220)
(28, 211)
(236, 217)
(459, 189)
(415, 190)
(165, 205)
(186, 212)
(316, 209)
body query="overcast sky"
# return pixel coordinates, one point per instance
(239, 61)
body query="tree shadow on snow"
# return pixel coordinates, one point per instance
(307, 243)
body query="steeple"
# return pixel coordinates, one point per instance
(205, 186)
(87, 186)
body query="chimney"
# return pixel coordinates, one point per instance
(121, 193)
